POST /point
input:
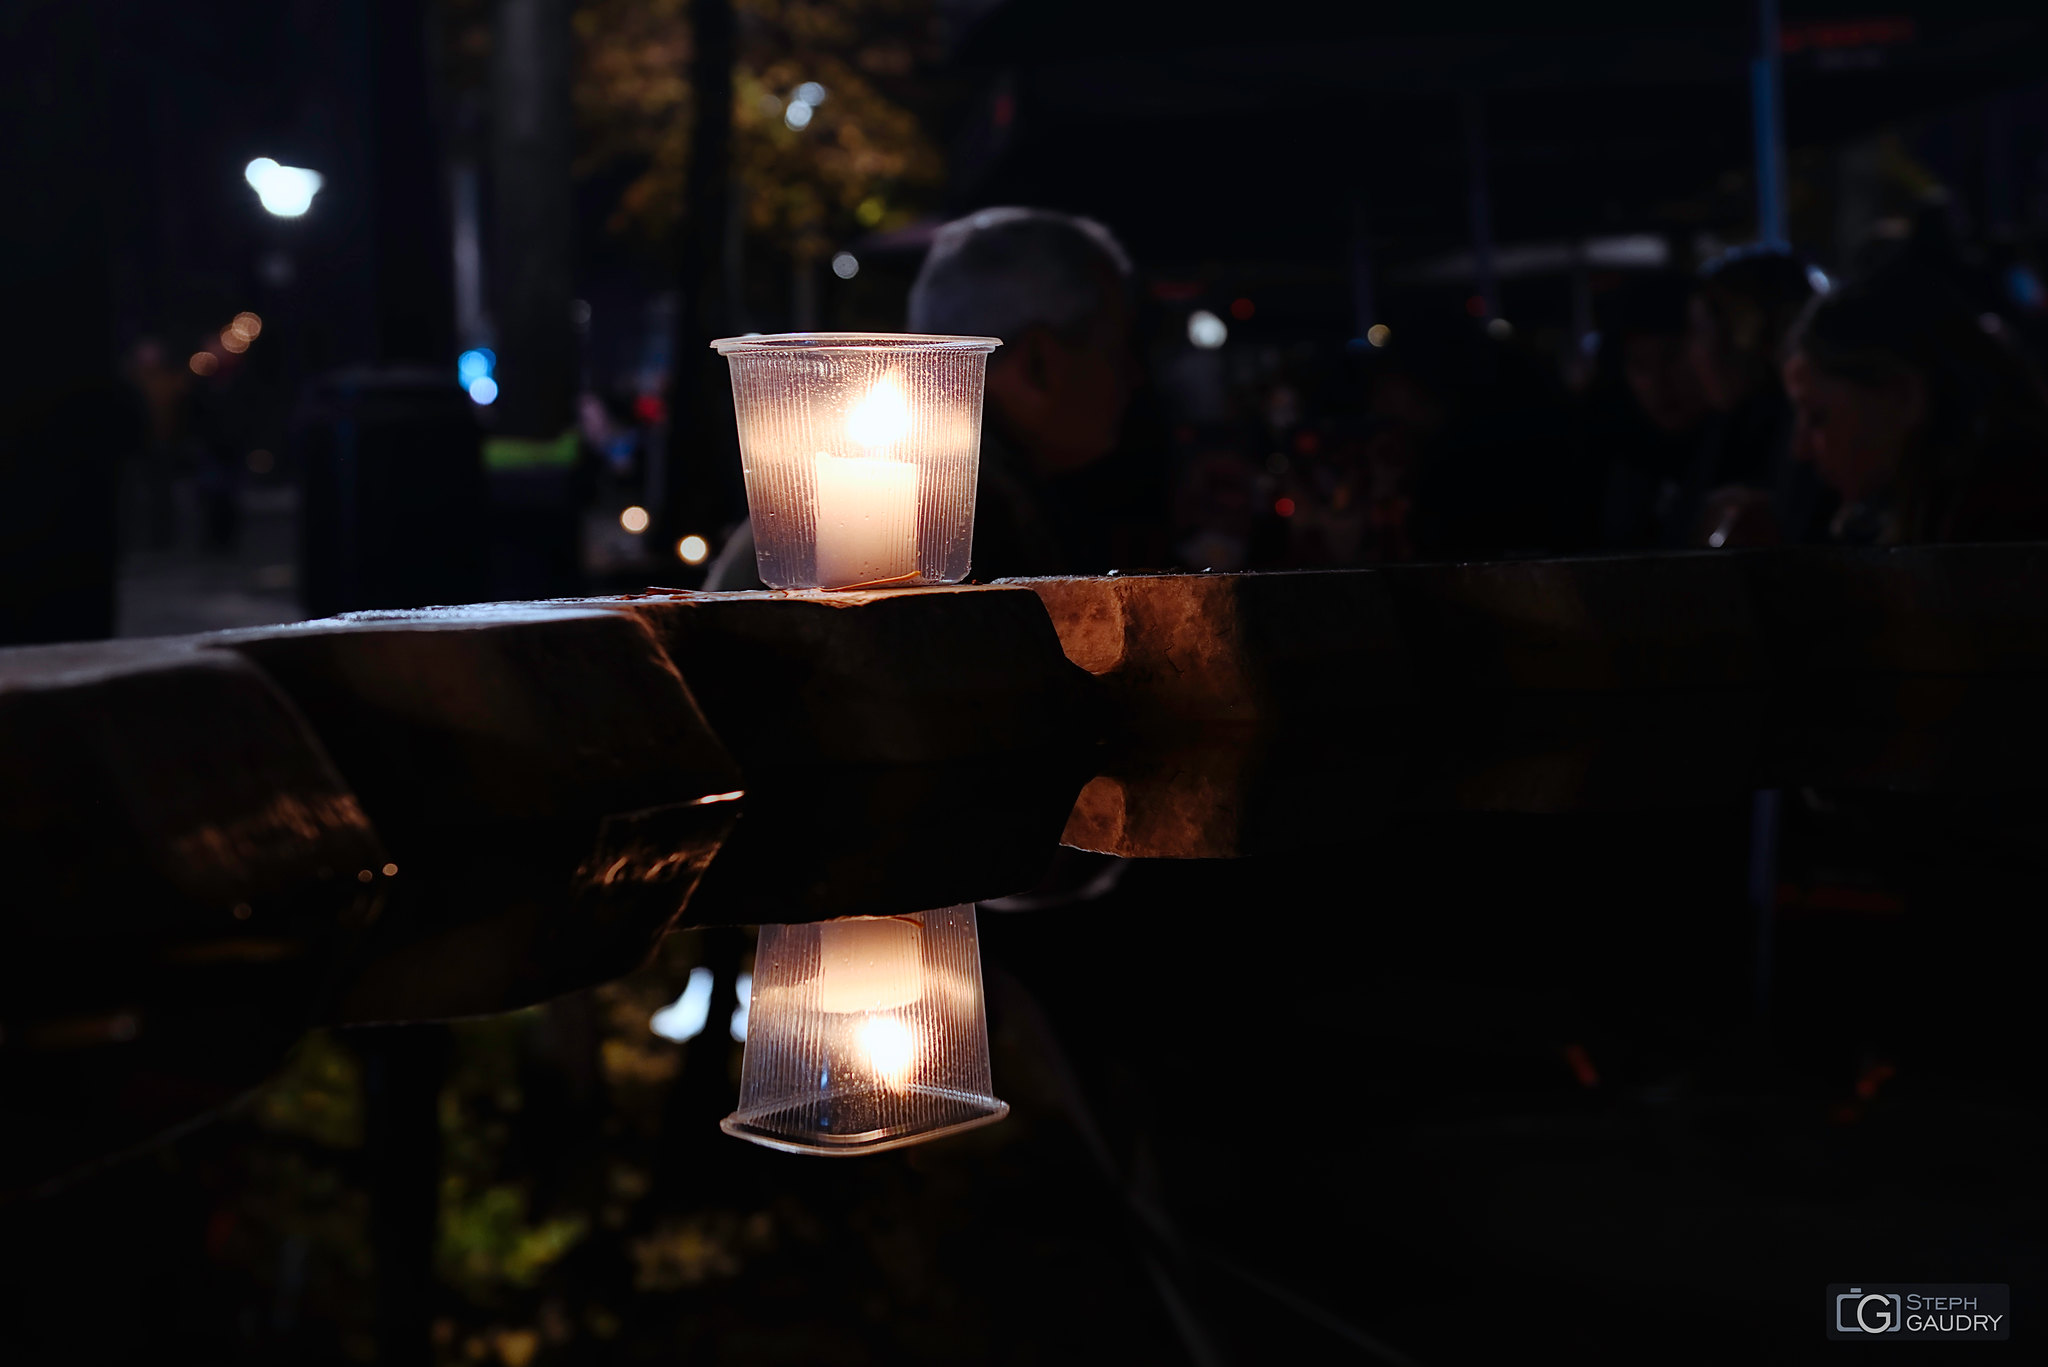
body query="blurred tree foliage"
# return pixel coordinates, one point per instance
(857, 160)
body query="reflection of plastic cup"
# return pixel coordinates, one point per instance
(865, 1034)
(860, 452)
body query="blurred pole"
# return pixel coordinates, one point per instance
(414, 262)
(1582, 296)
(65, 420)
(471, 318)
(2000, 221)
(404, 1067)
(1479, 200)
(536, 499)
(1364, 304)
(394, 504)
(1766, 99)
(1765, 823)
(535, 202)
(702, 455)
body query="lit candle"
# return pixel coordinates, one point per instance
(867, 520)
(867, 504)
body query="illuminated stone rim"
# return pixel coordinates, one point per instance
(853, 341)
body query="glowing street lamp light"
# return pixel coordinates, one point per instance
(861, 453)
(865, 1034)
(286, 191)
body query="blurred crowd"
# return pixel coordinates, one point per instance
(1752, 402)
(1749, 402)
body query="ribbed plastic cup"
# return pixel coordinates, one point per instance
(861, 453)
(865, 1034)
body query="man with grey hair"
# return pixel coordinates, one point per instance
(1055, 288)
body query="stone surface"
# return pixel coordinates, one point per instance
(460, 717)
(187, 873)
(815, 843)
(492, 745)
(523, 943)
(1647, 623)
(905, 676)
(1918, 668)
(1306, 650)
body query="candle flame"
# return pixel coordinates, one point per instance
(882, 417)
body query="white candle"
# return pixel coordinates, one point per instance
(869, 964)
(867, 520)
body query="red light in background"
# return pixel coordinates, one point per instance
(1476, 306)
(1874, 1077)
(1241, 309)
(650, 408)
(1284, 507)
(1306, 442)
(1823, 35)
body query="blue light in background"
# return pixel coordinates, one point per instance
(472, 366)
(483, 389)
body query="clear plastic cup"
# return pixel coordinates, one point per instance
(861, 452)
(865, 1034)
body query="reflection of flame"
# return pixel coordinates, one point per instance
(890, 1048)
(882, 417)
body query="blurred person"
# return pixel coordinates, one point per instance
(1056, 289)
(1920, 414)
(1749, 489)
(1646, 416)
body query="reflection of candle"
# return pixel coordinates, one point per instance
(867, 520)
(890, 1047)
(870, 964)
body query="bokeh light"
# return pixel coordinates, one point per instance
(204, 363)
(1378, 334)
(1206, 330)
(692, 550)
(846, 265)
(483, 390)
(286, 191)
(635, 519)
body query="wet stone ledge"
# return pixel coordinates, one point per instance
(217, 842)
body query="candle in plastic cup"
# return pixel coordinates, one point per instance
(861, 454)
